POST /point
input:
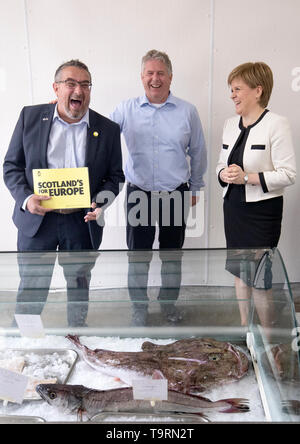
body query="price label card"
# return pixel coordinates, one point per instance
(30, 325)
(156, 389)
(12, 386)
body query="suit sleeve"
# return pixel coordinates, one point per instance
(283, 158)
(14, 167)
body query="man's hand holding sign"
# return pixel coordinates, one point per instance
(34, 205)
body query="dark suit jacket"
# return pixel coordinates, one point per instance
(28, 150)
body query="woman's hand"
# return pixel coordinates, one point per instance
(233, 174)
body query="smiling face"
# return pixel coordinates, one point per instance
(245, 99)
(72, 103)
(156, 81)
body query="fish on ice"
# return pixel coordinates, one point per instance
(190, 365)
(80, 399)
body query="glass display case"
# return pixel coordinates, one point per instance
(121, 300)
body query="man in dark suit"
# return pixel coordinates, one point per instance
(66, 135)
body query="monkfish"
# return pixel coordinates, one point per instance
(79, 399)
(190, 365)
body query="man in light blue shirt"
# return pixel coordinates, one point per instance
(164, 172)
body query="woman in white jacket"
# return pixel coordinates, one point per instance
(256, 162)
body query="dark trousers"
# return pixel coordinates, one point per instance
(145, 211)
(65, 233)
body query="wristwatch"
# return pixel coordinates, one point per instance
(246, 178)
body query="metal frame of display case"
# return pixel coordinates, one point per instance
(274, 348)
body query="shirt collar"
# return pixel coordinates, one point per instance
(170, 100)
(85, 118)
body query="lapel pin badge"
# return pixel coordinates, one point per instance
(45, 118)
(95, 134)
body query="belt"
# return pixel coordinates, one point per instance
(68, 211)
(158, 191)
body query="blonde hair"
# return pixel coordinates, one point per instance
(255, 74)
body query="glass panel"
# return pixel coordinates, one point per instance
(190, 289)
(241, 296)
(273, 330)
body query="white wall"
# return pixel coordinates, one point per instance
(205, 40)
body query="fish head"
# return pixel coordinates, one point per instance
(228, 360)
(204, 362)
(239, 359)
(67, 398)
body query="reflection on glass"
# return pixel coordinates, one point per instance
(239, 296)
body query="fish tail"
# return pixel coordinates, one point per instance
(234, 405)
(75, 340)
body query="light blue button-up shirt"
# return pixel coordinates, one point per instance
(67, 142)
(160, 140)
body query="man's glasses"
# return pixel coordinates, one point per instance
(71, 84)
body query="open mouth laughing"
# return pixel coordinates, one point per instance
(75, 104)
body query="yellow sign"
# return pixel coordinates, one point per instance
(67, 187)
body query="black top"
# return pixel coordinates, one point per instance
(237, 192)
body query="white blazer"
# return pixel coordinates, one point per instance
(268, 151)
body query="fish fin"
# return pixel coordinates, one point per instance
(74, 339)
(80, 412)
(158, 374)
(77, 343)
(235, 405)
